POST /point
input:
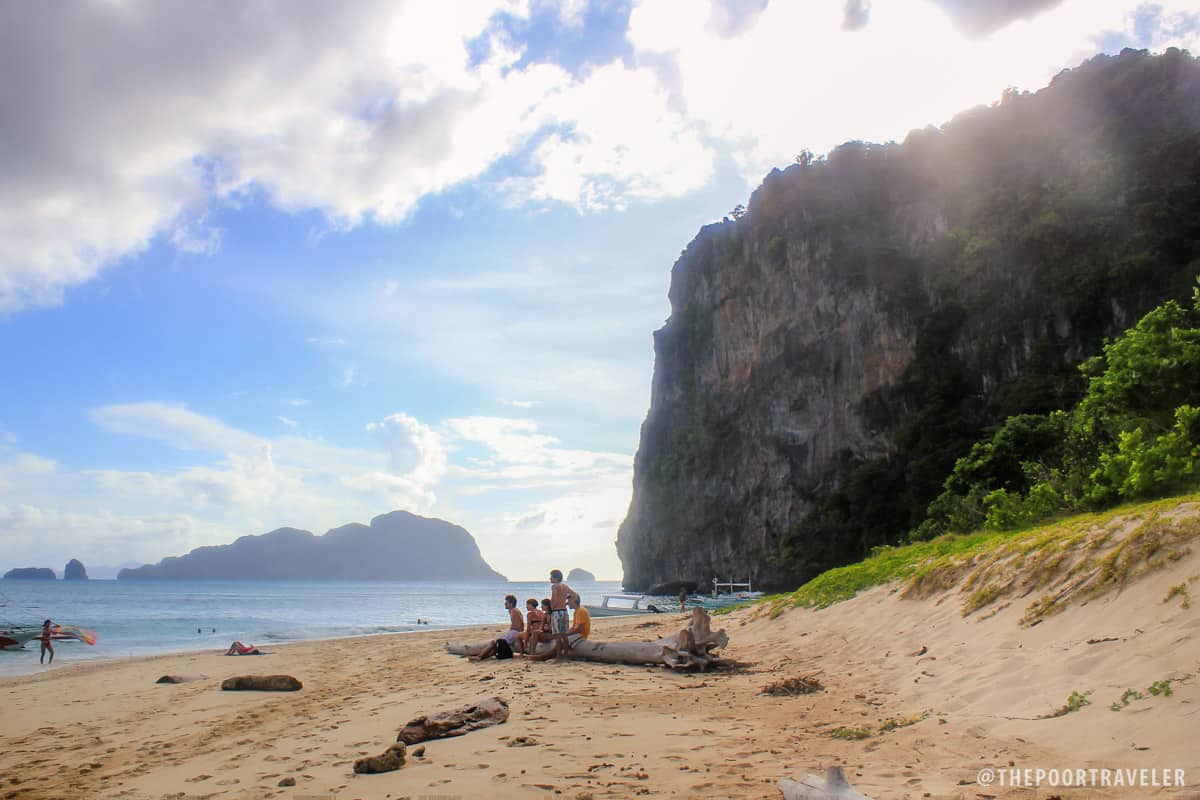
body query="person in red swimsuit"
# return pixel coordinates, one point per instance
(47, 627)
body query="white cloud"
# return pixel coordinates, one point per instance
(357, 110)
(793, 78)
(325, 341)
(414, 449)
(297, 402)
(519, 403)
(348, 376)
(526, 498)
(173, 424)
(291, 423)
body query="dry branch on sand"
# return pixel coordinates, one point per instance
(690, 648)
(805, 684)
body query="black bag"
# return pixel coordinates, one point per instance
(503, 649)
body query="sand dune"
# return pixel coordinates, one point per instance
(937, 695)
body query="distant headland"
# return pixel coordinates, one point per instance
(395, 546)
(31, 573)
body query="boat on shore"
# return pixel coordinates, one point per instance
(623, 605)
(15, 636)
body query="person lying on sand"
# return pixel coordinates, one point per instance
(527, 640)
(581, 628)
(515, 629)
(239, 649)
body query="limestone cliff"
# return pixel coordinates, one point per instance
(831, 351)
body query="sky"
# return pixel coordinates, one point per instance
(272, 264)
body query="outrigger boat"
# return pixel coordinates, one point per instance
(15, 636)
(623, 605)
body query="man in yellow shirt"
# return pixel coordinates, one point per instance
(581, 628)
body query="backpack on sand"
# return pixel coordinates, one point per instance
(503, 649)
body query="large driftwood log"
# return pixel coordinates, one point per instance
(455, 722)
(833, 787)
(691, 648)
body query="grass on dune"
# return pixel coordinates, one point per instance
(1081, 555)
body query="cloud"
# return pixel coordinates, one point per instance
(501, 478)
(530, 521)
(325, 341)
(915, 64)
(519, 403)
(175, 425)
(291, 423)
(297, 402)
(981, 17)
(126, 122)
(348, 376)
(413, 448)
(856, 15)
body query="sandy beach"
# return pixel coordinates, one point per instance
(935, 695)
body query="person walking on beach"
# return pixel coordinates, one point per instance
(559, 617)
(516, 625)
(47, 629)
(581, 628)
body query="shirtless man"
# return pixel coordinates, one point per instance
(559, 616)
(515, 627)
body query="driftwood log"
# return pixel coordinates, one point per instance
(455, 722)
(262, 683)
(691, 648)
(833, 787)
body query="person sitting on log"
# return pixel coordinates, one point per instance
(581, 628)
(516, 624)
(527, 640)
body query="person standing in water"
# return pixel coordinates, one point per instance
(47, 627)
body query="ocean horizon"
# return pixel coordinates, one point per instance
(138, 618)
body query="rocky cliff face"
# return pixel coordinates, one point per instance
(833, 350)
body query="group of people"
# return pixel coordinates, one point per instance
(560, 620)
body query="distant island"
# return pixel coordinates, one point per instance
(30, 573)
(578, 575)
(395, 546)
(75, 571)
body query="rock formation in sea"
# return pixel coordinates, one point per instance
(395, 546)
(31, 573)
(578, 575)
(835, 346)
(75, 571)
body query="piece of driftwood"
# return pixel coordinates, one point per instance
(455, 722)
(691, 648)
(387, 761)
(262, 683)
(833, 786)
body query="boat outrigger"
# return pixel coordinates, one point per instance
(13, 637)
(623, 605)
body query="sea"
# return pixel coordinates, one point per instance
(136, 618)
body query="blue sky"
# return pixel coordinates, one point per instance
(306, 263)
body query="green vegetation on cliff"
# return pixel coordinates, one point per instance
(1135, 434)
(889, 339)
